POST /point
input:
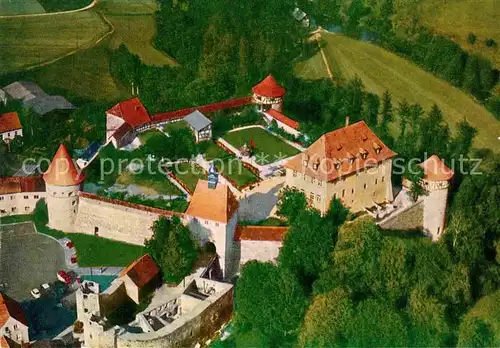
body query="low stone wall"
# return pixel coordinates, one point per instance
(259, 250)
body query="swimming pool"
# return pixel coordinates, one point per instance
(103, 280)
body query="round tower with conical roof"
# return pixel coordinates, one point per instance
(268, 94)
(62, 181)
(436, 182)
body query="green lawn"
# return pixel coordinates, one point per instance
(96, 251)
(150, 183)
(229, 165)
(20, 7)
(382, 70)
(174, 126)
(189, 174)
(145, 136)
(268, 148)
(14, 219)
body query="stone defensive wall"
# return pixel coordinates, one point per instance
(118, 220)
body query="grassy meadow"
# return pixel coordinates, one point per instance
(455, 20)
(11, 8)
(26, 42)
(382, 70)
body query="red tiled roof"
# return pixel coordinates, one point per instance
(336, 148)
(132, 111)
(278, 116)
(436, 170)
(218, 204)
(9, 122)
(141, 271)
(62, 170)
(262, 233)
(145, 208)
(10, 309)
(177, 114)
(269, 88)
(17, 184)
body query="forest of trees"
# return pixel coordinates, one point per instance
(354, 284)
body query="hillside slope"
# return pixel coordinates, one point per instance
(382, 70)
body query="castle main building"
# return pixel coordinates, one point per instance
(350, 163)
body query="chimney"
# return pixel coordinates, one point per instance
(347, 121)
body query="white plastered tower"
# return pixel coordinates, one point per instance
(62, 181)
(436, 182)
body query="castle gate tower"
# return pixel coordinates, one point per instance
(436, 182)
(268, 94)
(62, 181)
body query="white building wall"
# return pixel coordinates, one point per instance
(435, 203)
(259, 250)
(62, 205)
(11, 134)
(15, 330)
(112, 124)
(19, 203)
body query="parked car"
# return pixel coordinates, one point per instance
(64, 277)
(36, 293)
(46, 286)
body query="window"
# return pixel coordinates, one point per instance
(312, 180)
(439, 231)
(36, 197)
(85, 297)
(73, 203)
(364, 186)
(15, 326)
(318, 198)
(335, 195)
(14, 209)
(96, 231)
(320, 183)
(311, 196)
(216, 224)
(3, 211)
(26, 197)
(85, 310)
(1, 198)
(352, 191)
(383, 178)
(206, 222)
(294, 173)
(376, 181)
(26, 208)
(343, 192)
(11, 198)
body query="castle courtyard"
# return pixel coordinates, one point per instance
(27, 260)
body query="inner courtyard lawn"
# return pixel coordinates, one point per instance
(229, 165)
(189, 174)
(268, 148)
(150, 184)
(97, 251)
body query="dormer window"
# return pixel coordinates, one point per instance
(364, 137)
(363, 153)
(337, 165)
(377, 148)
(316, 164)
(306, 160)
(350, 158)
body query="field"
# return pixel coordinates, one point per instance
(456, 19)
(189, 174)
(229, 165)
(381, 70)
(27, 42)
(19, 7)
(268, 148)
(66, 5)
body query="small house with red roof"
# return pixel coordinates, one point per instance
(13, 324)
(10, 126)
(19, 195)
(140, 277)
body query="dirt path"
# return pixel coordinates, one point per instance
(89, 6)
(316, 35)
